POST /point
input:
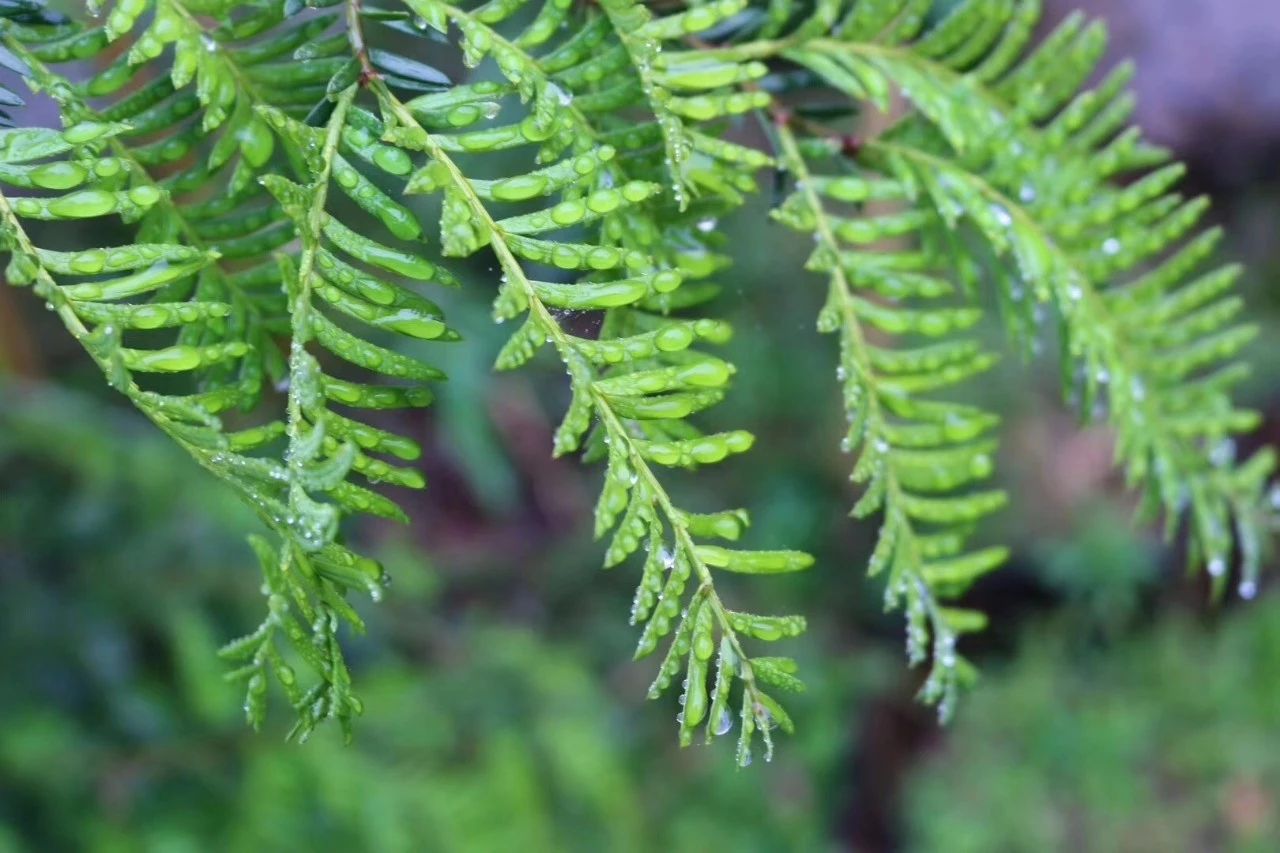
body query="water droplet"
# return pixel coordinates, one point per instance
(1248, 589)
(560, 94)
(947, 651)
(1223, 453)
(707, 225)
(1217, 567)
(1111, 246)
(1027, 195)
(723, 724)
(946, 708)
(1001, 216)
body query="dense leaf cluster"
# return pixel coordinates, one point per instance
(265, 154)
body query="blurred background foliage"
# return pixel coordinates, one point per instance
(1117, 710)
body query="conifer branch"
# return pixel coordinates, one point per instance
(229, 135)
(915, 572)
(759, 711)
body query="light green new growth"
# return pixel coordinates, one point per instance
(267, 155)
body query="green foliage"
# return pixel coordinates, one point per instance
(1116, 747)
(914, 454)
(590, 157)
(478, 733)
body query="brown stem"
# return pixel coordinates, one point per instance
(18, 354)
(355, 33)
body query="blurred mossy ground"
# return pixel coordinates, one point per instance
(123, 569)
(1160, 742)
(490, 725)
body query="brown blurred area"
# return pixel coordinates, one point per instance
(1206, 78)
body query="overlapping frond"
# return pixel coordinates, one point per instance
(922, 459)
(1089, 217)
(107, 297)
(336, 303)
(682, 88)
(641, 377)
(266, 155)
(97, 292)
(251, 222)
(660, 108)
(185, 93)
(1006, 138)
(638, 381)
